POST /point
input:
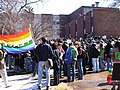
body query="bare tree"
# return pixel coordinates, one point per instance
(14, 15)
(43, 26)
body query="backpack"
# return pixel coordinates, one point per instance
(74, 53)
(69, 56)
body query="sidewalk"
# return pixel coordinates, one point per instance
(93, 81)
(21, 81)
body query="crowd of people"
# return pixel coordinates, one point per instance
(69, 57)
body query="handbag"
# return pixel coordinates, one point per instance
(49, 63)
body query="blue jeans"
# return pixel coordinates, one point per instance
(80, 68)
(35, 69)
(95, 62)
(10, 61)
(41, 67)
(108, 62)
(102, 66)
(28, 64)
(17, 69)
(73, 66)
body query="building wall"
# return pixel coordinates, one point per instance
(75, 24)
(64, 20)
(77, 30)
(106, 22)
(76, 13)
(79, 27)
(67, 31)
(88, 23)
(95, 21)
(72, 28)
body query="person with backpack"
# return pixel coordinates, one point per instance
(70, 59)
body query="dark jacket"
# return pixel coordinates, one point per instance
(43, 52)
(80, 53)
(56, 59)
(108, 50)
(94, 52)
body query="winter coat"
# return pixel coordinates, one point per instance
(71, 54)
(94, 52)
(74, 52)
(43, 52)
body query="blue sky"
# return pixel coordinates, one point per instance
(64, 6)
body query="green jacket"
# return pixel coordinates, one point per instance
(74, 52)
(102, 50)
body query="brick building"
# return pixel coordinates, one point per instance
(95, 21)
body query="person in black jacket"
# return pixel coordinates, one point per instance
(43, 53)
(95, 58)
(108, 50)
(56, 64)
(65, 47)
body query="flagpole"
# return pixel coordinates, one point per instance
(1, 48)
(31, 33)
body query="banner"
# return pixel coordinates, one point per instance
(17, 43)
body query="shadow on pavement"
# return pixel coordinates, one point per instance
(104, 84)
(11, 73)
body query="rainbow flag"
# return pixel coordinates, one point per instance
(17, 43)
(109, 76)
